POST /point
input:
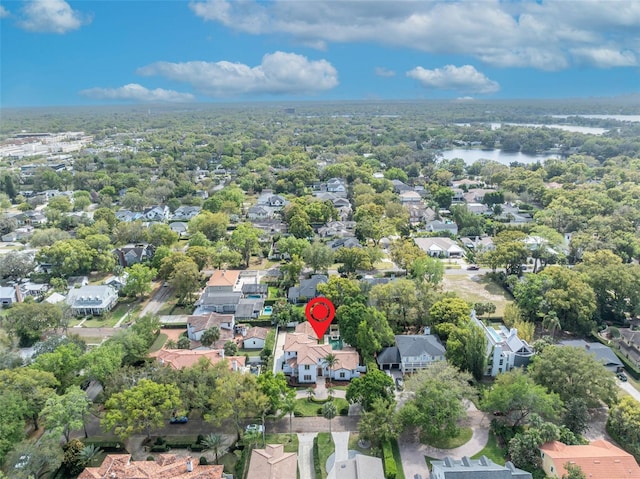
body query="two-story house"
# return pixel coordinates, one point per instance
(92, 300)
(411, 353)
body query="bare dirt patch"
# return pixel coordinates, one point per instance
(477, 288)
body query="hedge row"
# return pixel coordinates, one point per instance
(390, 466)
(316, 458)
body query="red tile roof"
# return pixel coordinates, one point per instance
(166, 466)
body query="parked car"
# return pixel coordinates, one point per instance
(473, 267)
(254, 428)
(179, 420)
(622, 377)
(399, 384)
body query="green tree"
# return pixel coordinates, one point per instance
(16, 265)
(64, 363)
(398, 300)
(341, 290)
(185, 281)
(624, 424)
(201, 255)
(576, 416)
(66, 413)
(68, 257)
(210, 336)
(574, 373)
(299, 227)
(291, 272)
(31, 386)
(318, 256)
(29, 320)
(290, 245)
(467, 350)
(245, 240)
(140, 408)
(13, 411)
(510, 252)
(275, 387)
(448, 314)
(101, 362)
(364, 327)
(212, 225)
(147, 327)
(437, 402)
(370, 387)
(353, 259)
(161, 234)
(516, 396)
(573, 472)
(35, 459)
(404, 253)
(288, 406)
(329, 411)
(214, 442)
(138, 281)
(372, 429)
(427, 269)
(230, 348)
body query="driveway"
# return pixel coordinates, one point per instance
(305, 455)
(341, 441)
(412, 452)
(628, 388)
(162, 294)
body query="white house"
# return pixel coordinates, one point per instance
(412, 353)
(440, 247)
(198, 324)
(255, 337)
(92, 300)
(505, 349)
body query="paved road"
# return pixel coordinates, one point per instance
(305, 455)
(413, 453)
(156, 302)
(628, 388)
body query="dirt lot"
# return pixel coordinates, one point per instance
(476, 288)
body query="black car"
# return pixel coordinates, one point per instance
(179, 420)
(473, 267)
(622, 377)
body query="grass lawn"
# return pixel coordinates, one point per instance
(396, 455)
(105, 321)
(309, 408)
(326, 447)
(428, 461)
(90, 340)
(274, 293)
(353, 445)
(290, 442)
(158, 343)
(482, 290)
(493, 451)
(229, 461)
(383, 265)
(463, 436)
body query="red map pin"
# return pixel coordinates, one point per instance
(320, 312)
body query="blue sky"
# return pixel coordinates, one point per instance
(57, 52)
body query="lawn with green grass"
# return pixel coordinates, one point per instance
(104, 321)
(158, 343)
(326, 447)
(354, 446)
(229, 461)
(290, 442)
(307, 408)
(493, 451)
(396, 455)
(464, 435)
(478, 290)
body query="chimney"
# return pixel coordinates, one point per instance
(19, 297)
(189, 465)
(427, 330)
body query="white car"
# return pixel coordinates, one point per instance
(254, 428)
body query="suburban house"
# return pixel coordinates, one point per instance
(249, 308)
(598, 460)
(304, 358)
(336, 186)
(359, 467)
(437, 226)
(186, 358)
(218, 302)
(440, 247)
(180, 228)
(399, 186)
(630, 345)
(164, 466)
(483, 468)
(307, 289)
(258, 212)
(224, 280)
(254, 338)
(92, 300)
(254, 290)
(273, 463)
(133, 254)
(411, 353)
(117, 282)
(602, 353)
(198, 324)
(505, 349)
(157, 213)
(128, 216)
(8, 295)
(348, 242)
(185, 213)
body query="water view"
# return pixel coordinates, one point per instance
(587, 130)
(631, 118)
(506, 158)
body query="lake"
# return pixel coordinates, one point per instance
(631, 118)
(506, 158)
(572, 128)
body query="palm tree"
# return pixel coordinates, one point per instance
(331, 360)
(551, 322)
(329, 411)
(88, 453)
(288, 407)
(331, 392)
(210, 336)
(214, 442)
(310, 393)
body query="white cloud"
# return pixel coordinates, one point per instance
(522, 34)
(384, 72)
(3, 12)
(605, 57)
(136, 92)
(279, 73)
(51, 16)
(450, 77)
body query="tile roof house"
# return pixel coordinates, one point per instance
(224, 280)
(411, 353)
(165, 466)
(307, 288)
(436, 247)
(304, 358)
(504, 348)
(273, 463)
(602, 353)
(359, 467)
(198, 324)
(598, 460)
(92, 300)
(483, 468)
(410, 198)
(254, 338)
(186, 358)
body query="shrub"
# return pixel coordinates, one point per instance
(160, 441)
(200, 439)
(196, 447)
(344, 411)
(203, 461)
(316, 458)
(151, 458)
(390, 466)
(160, 448)
(319, 411)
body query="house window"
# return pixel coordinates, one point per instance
(343, 375)
(306, 367)
(307, 377)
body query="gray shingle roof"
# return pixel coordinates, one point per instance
(416, 345)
